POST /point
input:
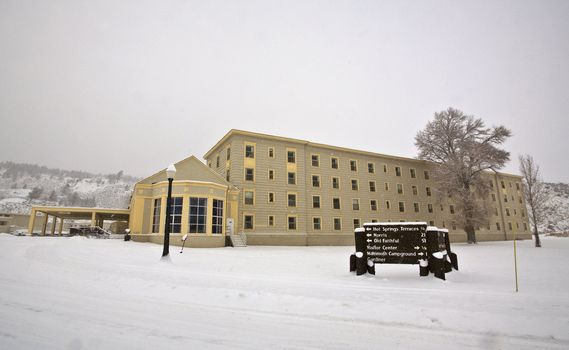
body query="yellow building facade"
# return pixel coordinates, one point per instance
(202, 201)
(284, 191)
(296, 192)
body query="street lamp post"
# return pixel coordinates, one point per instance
(170, 173)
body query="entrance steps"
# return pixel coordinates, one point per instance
(238, 240)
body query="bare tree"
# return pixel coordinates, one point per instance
(534, 192)
(463, 149)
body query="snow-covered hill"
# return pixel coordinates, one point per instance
(25, 185)
(557, 209)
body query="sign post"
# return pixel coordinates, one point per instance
(402, 243)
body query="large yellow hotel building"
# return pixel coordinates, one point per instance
(285, 191)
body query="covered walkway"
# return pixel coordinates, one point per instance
(59, 214)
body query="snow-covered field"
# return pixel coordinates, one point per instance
(77, 293)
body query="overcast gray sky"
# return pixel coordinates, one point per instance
(108, 85)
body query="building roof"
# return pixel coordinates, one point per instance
(234, 132)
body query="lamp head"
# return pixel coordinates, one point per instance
(171, 171)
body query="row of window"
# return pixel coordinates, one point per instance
(334, 161)
(249, 199)
(197, 217)
(508, 212)
(291, 180)
(248, 223)
(503, 185)
(513, 199)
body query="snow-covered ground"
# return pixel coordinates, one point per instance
(78, 293)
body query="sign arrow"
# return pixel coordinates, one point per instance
(420, 253)
(369, 234)
(417, 248)
(369, 240)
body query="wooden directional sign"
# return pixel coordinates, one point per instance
(396, 243)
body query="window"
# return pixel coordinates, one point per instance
(414, 189)
(271, 220)
(498, 226)
(176, 214)
(355, 204)
(292, 200)
(315, 160)
(334, 162)
(386, 186)
(510, 184)
(198, 215)
(217, 217)
(428, 190)
(271, 197)
(510, 226)
(373, 220)
(217, 161)
(397, 171)
(370, 168)
(291, 156)
(523, 213)
(315, 181)
(496, 211)
(315, 201)
(372, 186)
(399, 188)
(503, 184)
(353, 165)
(507, 212)
(492, 184)
(228, 157)
(387, 205)
(431, 223)
(373, 204)
(355, 185)
(292, 178)
(249, 197)
(520, 199)
(292, 222)
(416, 207)
(249, 174)
(249, 151)
(227, 176)
(271, 152)
(453, 224)
(335, 182)
(356, 223)
(451, 208)
(505, 199)
(316, 223)
(336, 203)
(517, 186)
(401, 207)
(337, 224)
(412, 173)
(493, 197)
(427, 175)
(525, 226)
(271, 174)
(248, 222)
(430, 208)
(385, 168)
(156, 215)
